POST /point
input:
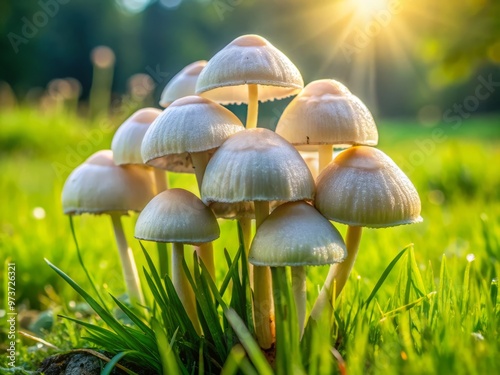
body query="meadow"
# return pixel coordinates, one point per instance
(436, 312)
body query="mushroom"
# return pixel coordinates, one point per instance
(98, 186)
(182, 84)
(179, 217)
(247, 70)
(260, 166)
(126, 143)
(323, 114)
(362, 187)
(126, 147)
(191, 125)
(296, 235)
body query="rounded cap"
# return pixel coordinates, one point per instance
(249, 59)
(326, 113)
(176, 215)
(256, 165)
(99, 186)
(189, 124)
(296, 234)
(182, 84)
(126, 144)
(362, 186)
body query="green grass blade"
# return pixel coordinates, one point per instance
(114, 361)
(233, 361)
(80, 259)
(207, 307)
(248, 342)
(168, 360)
(384, 276)
(133, 317)
(103, 313)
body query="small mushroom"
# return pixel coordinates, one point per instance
(98, 186)
(182, 84)
(325, 113)
(247, 70)
(126, 144)
(260, 166)
(193, 126)
(362, 187)
(296, 235)
(178, 217)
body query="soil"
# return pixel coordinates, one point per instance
(80, 362)
(72, 364)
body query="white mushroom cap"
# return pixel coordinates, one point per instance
(99, 186)
(176, 215)
(326, 113)
(189, 124)
(249, 59)
(362, 186)
(256, 165)
(126, 144)
(182, 84)
(296, 234)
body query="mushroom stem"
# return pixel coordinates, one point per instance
(205, 251)
(200, 161)
(129, 269)
(300, 294)
(246, 229)
(163, 261)
(325, 156)
(263, 294)
(160, 180)
(181, 284)
(253, 106)
(339, 272)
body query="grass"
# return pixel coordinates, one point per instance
(436, 311)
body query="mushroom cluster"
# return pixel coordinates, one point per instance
(246, 173)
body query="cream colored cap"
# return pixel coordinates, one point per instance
(249, 59)
(126, 144)
(256, 165)
(176, 215)
(362, 186)
(182, 84)
(99, 186)
(326, 113)
(190, 124)
(296, 234)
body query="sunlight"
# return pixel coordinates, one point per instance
(368, 8)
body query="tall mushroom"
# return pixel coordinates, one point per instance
(324, 114)
(296, 235)
(182, 84)
(126, 147)
(362, 187)
(179, 217)
(247, 70)
(193, 126)
(260, 166)
(98, 186)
